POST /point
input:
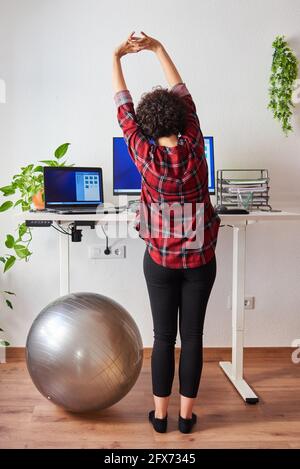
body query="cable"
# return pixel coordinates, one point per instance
(102, 228)
(107, 248)
(60, 227)
(60, 231)
(64, 230)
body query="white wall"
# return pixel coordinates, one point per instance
(55, 56)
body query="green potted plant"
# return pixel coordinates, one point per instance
(28, 185)
(284, 72)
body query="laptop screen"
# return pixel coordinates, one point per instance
(72, 187)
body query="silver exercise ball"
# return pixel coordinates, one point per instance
(84, 352)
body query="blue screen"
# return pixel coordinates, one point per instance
(72, 186)
(127, 179)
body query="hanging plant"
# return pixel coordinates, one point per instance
(284, 72)
(5, 295)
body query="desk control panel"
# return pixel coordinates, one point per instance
(38, 223)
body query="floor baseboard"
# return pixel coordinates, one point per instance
(210, 353)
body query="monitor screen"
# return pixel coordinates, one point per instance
(72, 186)
(127, 179)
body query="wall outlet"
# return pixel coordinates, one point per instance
(249, 302)
(116, 252)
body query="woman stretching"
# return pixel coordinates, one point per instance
(166, 144)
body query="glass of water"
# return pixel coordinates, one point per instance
(245, 199)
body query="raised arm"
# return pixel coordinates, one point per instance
(137, 143)
(169, 68)
(171, 72)
(127, 47)
(192, 130)
(119, 83)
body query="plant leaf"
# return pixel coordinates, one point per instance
(21, 251)
(27, 170)
(22, 229)
(9, 263)
(61, 150)
(18, 202)
(4, 343)
(7, 190)
(10, 241)
(6, 206)
(9, 292)
(25, 206)
(9, 304)
(2, 259)
(38, 169)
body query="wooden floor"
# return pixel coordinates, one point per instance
(28, 420)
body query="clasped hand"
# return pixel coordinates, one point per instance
(135, 44)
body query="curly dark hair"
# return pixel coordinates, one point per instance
(161, 113)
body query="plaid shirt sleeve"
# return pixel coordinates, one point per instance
(137, 143)
(192, 131)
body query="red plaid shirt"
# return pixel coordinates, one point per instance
(171, 175)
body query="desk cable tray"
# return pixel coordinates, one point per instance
(232, 181)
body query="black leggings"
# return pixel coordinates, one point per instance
(170, 291)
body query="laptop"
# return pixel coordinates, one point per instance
(73, 189)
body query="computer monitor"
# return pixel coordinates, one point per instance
(72, 187)
(127, 179)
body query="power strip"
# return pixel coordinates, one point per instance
(38, 223)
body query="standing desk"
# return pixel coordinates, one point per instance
(234, 369)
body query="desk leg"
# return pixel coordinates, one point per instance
(234, 369)
(64, 264)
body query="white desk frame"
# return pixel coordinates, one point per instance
(233, 369)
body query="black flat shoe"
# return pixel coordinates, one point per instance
(186, 425)
(159, 425)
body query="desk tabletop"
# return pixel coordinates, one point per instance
(128, 216)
